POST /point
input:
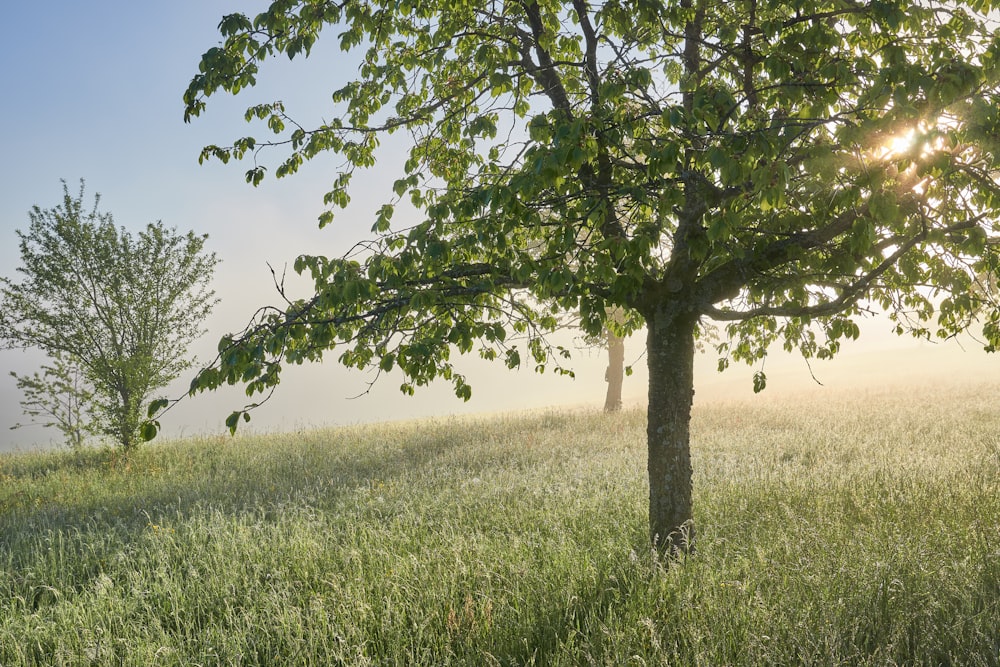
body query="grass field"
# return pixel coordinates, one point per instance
(864, 530)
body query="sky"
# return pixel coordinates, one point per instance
(94, 91)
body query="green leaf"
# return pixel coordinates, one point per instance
(156, 406)
(387, 362)
(759, 382)
(233, 420)
(255, 176)
(884, 207)
(149, 430)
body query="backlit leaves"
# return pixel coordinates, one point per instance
(583, 156)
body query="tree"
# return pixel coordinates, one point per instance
(614, 343)
(118, 308)
(61, 398)
(779, 167)
(615, 373)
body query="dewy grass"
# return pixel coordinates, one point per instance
(861, 531)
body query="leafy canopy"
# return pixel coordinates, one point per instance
(777, 166)
(118, 308)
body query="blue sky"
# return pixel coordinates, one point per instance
(94, 90)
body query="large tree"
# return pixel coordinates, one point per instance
(779, 167)
(121, 309)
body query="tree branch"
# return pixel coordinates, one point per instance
(849, 295)
(545, 71)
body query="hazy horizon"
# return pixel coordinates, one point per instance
(319, 395)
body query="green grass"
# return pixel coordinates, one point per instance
(861, 531)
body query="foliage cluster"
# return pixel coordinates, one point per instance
(114, 312)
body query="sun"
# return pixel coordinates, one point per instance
(917, 143)
(899, 145)
(904, 152)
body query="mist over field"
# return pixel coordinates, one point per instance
(328, 395)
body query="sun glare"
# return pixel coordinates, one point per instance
(910, 147)
(899, 144)
(918, 142)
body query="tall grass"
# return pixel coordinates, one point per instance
(861, 531)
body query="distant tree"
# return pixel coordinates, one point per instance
(59, 397)
(118, 309)
(615, 373)
(778, 167)
(610, 341)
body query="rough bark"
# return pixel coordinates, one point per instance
(670, 351)
(615, 375)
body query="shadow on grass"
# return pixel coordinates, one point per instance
(97, 504)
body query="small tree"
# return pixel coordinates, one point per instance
(119, 308)
(779, 167)
(615, 373)
(59, 397)
(613, 343)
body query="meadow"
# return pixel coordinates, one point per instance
(859, 529)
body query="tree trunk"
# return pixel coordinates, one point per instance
(615, 374)
(670, 351)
